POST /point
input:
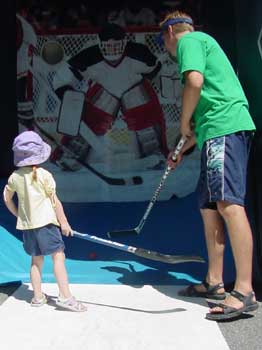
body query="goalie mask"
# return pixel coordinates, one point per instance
(112, 42)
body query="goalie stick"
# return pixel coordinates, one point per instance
(143, 253)
(134, 180)
(139, 227)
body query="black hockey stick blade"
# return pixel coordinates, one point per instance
(166, 258)
(134, 180)
(122, 233)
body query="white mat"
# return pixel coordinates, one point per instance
(118, 318)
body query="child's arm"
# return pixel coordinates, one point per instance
(61, 217)
(8, 200)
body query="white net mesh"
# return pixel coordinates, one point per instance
(46, 103)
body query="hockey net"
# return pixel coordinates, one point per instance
(166, 84)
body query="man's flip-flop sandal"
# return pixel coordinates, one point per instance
(210, 293)
(229, 312)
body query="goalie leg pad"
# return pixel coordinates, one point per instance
(103, 100)
(149, 141)
(101, 109)
(148, 116)
(77, 145)
(144, 115)
(78, 148)
(97, 120)
(135, 97)
(70, 113)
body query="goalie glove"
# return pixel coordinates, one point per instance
(77, 147)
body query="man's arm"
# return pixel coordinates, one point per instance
(191, 94)
(189, 145)
(8, 200)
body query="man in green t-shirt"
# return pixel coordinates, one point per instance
(215, 105)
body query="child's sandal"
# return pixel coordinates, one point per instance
(71, 304)
(39, 302)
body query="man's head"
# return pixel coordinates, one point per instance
(173, 25)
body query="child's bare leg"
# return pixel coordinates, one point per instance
(35, 275)
(61, 274)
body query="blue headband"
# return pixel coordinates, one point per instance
(170, 22)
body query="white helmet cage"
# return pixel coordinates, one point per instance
(112, 42)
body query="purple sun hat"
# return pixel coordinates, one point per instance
(30, 149)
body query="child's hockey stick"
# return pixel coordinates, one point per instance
(147, 254)
(134, 180)
(139, 227)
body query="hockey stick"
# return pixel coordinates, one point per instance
(135, 180)
(139, 227)
(143, 253)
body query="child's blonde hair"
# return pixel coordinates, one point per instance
(48, 189)
(178, 27)
(34, 175)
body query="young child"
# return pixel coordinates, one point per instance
(40, 216)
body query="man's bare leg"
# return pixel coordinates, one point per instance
(242, 247)
(215, 241)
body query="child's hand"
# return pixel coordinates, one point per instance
(66, 229)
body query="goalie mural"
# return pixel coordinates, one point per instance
(109, 104)
(114, 76)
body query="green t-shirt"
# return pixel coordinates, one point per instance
(223, 107)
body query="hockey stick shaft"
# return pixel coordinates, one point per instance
(168, 169)
(147, 254)
(177, 150)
